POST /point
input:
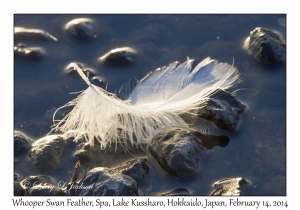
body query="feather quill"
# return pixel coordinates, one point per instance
(156, 102)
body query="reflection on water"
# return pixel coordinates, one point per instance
(257, 150)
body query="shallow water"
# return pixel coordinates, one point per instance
(257, 149)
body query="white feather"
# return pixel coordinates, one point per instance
(155, 103)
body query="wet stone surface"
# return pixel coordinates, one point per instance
(119, 56)
(18, 189)
(81, 28)
(178, 152)
(22, 142)
(21, 33)
(223, 109)
(16, 177)
(266, 46)
(100, 181)
(176, 192)
(45, 152)
(229, 187)
(84, 152)
(137, 168)
(32, 53)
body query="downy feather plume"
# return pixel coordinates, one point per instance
(156, 102)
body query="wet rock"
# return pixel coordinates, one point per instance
(70, 70)
(18, 189)
(81, 28)
(45, 189)
(123, 55)
(223, 109)
(22, 142)
(137, 169)
(99, 79)
(29, 52)
(84, 152)
(45, 152)
(101, 181)
(178, 151)
(266, 46)
(21, 33)
(229, 187)
(181, 151)
(31, 181)
(16, 177)
(211, 141)
(176, 192)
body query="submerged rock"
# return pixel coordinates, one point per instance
(81, 28)
(18, 189)
(178, 151)
(45, 152)
(137, 168)
(22, 142)
(16, 177)
(176, 192)
(87, 152)
(211, 141)
(84, 152)
(231, 186)
(98, 79)
(101, 181)
(21, 33)
(123, 55)
(266, 46)
(223, 109)
(181, 151)
(29, 52)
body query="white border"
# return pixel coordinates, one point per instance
(153, 6)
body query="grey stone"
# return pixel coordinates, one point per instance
(30, 53)
(136, 168)
(229, 187)
(178, 152)
(81, 28)
(266, 46)
(123, 55)
(18, 190)
(22, 142)
(45, 152)
(176, 192)
(21, 33)
(101, 181)
(223, 109)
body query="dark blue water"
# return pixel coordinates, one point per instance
(257, 150)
